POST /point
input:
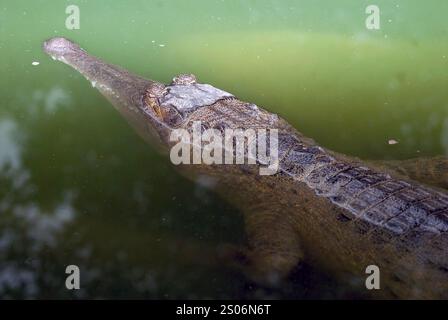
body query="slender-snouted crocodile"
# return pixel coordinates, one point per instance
(337, 212)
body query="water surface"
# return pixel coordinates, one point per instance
(77, 186)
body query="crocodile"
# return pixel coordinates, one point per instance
(321, 207)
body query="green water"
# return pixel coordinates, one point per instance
(77, 186)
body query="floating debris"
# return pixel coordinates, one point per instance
(392, 141)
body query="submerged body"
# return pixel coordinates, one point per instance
(334, 211)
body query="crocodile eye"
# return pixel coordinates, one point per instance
(156, 90)
(184, 79)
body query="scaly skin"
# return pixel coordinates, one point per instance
(335, 211)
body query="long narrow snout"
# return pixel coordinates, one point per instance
(122, 88)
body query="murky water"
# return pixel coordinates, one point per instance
(77, 186)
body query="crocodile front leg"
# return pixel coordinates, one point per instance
(432, 171)
(273, 251)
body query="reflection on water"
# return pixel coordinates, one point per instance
(10, 155)
(43, 227)
(77, 186)
(51, 100)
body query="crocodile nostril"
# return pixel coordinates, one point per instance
(58, 47)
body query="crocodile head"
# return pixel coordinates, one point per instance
(152, 108)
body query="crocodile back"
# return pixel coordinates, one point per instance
(348, 214)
